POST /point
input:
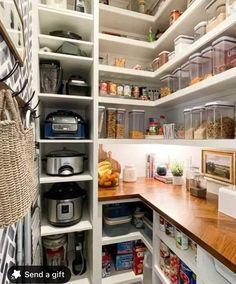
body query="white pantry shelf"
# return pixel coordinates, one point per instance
(188, 256)
(124, 277)
(217, 143)
(83, 279)
(71, 64)
(84, 225)
(55, 42)
(45, 179)
(161, 275)
(60, 100)
(65, 141)
(124, 101)
(52, 19)
(133, 235)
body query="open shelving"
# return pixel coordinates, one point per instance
(161, 275)
(84, 225)
(44, 178)
(65, 141)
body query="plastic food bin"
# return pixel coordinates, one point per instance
(166, 85)
(220, 120)
(117, 226)
(185, 75)
(216, 14)
(101, 121)
(221, 55)
(181, 43)
(163, 57)
(200, 30)
(207, 62)
(120, 123)
(116, 210)
(188, 127)
(177, 80)
(195, 68)
(136, 124)
(199, 122)
(111, 123)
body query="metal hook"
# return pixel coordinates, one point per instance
(31, 98)
(36, 105)
(15, 94)
(16, 65)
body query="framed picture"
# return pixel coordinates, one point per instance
(219, 165)
(12, 28)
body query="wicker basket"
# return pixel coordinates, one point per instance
(17, 188)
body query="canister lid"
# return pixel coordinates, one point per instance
(163, 52)
(166, 76)
(199, 25)
(220, 103)
(195, 55)
(224, 38)
(208, 49)
(111, 108)
(187, 110)
(156, 59)
(190, 38)
(121, 109)
(176, 70)
(198, 108)
(137, 110)
(101, 107)
(131, 166)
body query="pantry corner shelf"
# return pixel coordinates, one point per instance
(65, 141)
(45, 179)
(132, 236)
(124, 101)
(188, 256)
(161, 275)
(61, 100)
(84, 225)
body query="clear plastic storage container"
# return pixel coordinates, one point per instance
(230, 7)
(185, 75)
(177, 80)
(111, 123)
(136, 124)
(188, 127)
(116, 210)
(195, 68)
(207, 62)
(166, 85)
(200, 30)
(120, 123)
(101, 121)
(216, 14)
(199, 122)
(181, 43)
(221, 55)
(220, 120)
(117, 226)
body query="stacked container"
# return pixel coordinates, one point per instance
(120, 123)
(200, 30)
(177, 82)
(166, 85)
(199, 122)
(188, 128)
(207, 62)
(216, 14)
(185, 75)
(196, 74)
(224, 53)
(136, 124)
(181, 43)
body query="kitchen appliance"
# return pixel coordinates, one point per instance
(64, 204)
(76, 85)
(50, 76)
(65, 162)
(79, 263)
(66, 34)
(68, 48)
(55, 250)
(61, 4)
(64, 124)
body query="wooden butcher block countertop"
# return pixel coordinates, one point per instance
(197, 218)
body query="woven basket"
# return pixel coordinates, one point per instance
(17, 188)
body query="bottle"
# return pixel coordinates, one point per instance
(151, 35)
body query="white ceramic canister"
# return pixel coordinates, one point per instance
(61, 4)
(129, 173)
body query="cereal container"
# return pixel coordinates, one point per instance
(188, 127)
(216, 14)
(185, 75)
(120, 123)
(182, 42)
(166, 86)
(111, 123)
(177, 80)
(196, 74)
(136, 124)
(199, 122)
(220, 120)
(221, 48)
(200, 30)
(207, 62)
(230, 7)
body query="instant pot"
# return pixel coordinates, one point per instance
(64, 204)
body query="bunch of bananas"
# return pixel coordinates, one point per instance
(106, 176)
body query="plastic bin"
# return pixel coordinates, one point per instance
(185, 75)
(207, 62)
(136, 124)
(181, 43)
(200, 30)
(116, 210)
(188, 127)
(195, 68)
(216, 14)
(117, 226)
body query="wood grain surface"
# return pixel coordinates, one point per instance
(197, 218)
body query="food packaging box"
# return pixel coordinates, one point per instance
(124, 248)
(106, 264)
(123, 261)
(139, 252)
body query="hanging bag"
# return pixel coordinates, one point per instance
(17, 187)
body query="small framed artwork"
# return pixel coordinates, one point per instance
(219, 165)
(12, 28)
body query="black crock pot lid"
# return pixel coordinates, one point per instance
(63, 191)
(64, 153)
(64, 113)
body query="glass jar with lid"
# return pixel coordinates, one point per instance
(111, 123)
(200, 30)
(216, 14)
(188, 127)
(199, 122)
(195, 68)
(155, 64)
(120, 123)
(163, 57)
(230, 7)
(166, 86)
(220, 120)
(207, 62)
(221, 48)
(136, 124)
(185, 75)
(129, 173)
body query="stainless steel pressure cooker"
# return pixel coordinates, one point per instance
(65, 204)
(65, 162)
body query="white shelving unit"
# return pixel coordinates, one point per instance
(44, 178)
(161, 275)
(122, 277)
